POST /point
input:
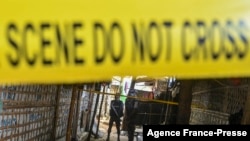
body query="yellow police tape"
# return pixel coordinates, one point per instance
(68, 41)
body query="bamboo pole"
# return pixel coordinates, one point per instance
(185, 100)
(56, 111)
(90, 87)
(77, 114)
(71, 112)
(93, 117)
(97, 129)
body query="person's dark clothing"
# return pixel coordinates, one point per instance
(131, 106)
(116, 112)
(117, 123)
(236, 117)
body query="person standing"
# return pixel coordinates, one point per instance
(116, 112)
(131, 107)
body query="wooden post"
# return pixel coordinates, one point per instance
(76, 117)
(56, 112)
(185, 99)
(91, 96)
(97, 128)
(93, 117)
(71, 113)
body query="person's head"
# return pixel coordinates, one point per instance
(117, 97)
(132, 93)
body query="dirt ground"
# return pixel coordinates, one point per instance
(103, 127)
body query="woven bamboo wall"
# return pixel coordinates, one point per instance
(65, 94)
(213, 101)
(28, 112)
